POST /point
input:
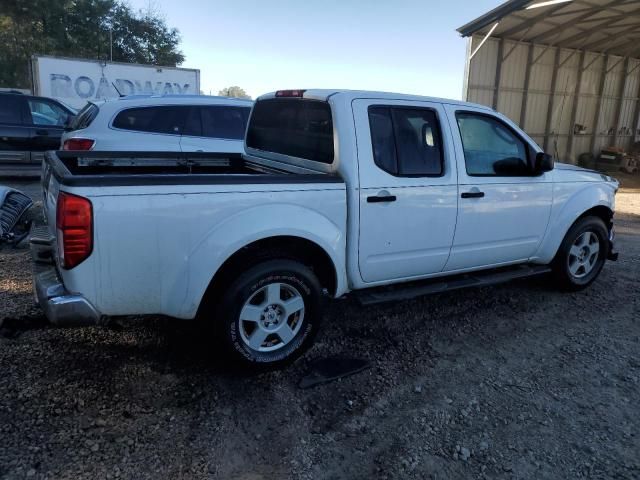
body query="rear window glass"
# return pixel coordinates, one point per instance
(217, 122)
(84, 117)
(10, 109)
(165, 119)
(295, 127)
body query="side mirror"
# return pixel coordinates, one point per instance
(544, 162)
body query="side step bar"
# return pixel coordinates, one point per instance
(476, 279)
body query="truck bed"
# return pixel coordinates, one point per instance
(168, 168)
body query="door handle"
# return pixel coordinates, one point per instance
(381, 198)
(42, 132)
(474, 193)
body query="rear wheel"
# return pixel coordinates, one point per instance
(270, 314)
(582, 254)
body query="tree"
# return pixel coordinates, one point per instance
(80, 29)
(233, 91)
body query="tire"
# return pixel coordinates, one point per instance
(577, 263)
(269, 315)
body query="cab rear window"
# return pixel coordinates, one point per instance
(295, 127)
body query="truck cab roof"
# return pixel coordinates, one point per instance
(325, 94)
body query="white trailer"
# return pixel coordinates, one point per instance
(75, 81)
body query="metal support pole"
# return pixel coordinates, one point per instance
(635, 121)
(596, 117)
(527, 78)
(574, 107)
(467, 71)
(552, 92)
(623, 84)
(496, 87)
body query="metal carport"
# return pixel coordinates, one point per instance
(568, 72)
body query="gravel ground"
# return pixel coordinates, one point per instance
(513, 381)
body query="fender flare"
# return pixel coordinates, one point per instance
(246, 227)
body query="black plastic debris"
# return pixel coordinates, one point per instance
(332, 368)
(14, 227)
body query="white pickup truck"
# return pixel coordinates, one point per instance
(384, 195)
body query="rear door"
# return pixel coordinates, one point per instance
(215, 128)
(15, 132)
(408, 188)
(503, 207)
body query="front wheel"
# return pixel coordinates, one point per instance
(582, 254)
(270, 314)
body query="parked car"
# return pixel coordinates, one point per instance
(169, 123)
(29, 126)
(387, 196)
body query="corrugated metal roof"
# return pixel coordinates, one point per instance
(605, 26)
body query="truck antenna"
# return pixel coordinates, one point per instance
(119, 93)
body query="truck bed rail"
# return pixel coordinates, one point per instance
(167, 168)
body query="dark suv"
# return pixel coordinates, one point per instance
(29, 126)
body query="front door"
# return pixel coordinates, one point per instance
(503, 208)
(47, 121)
(408, 190)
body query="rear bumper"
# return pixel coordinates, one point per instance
(61, 307)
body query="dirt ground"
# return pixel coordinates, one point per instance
(512, 381)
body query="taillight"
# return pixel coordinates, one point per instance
(290, 93)
(78, 144)
(74, 224)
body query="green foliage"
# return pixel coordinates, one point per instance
(234, 91)
(80, 29)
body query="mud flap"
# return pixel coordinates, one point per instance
(332, 368)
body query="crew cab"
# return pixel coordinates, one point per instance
(383, 195)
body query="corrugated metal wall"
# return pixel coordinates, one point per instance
(547, 91)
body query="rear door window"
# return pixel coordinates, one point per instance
(161, 119)
(11, 109)
(193, 123)
(295, 127)
(224, 122)
(217, 121)
(406, 141)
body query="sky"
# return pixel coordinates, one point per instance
(405, 46)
